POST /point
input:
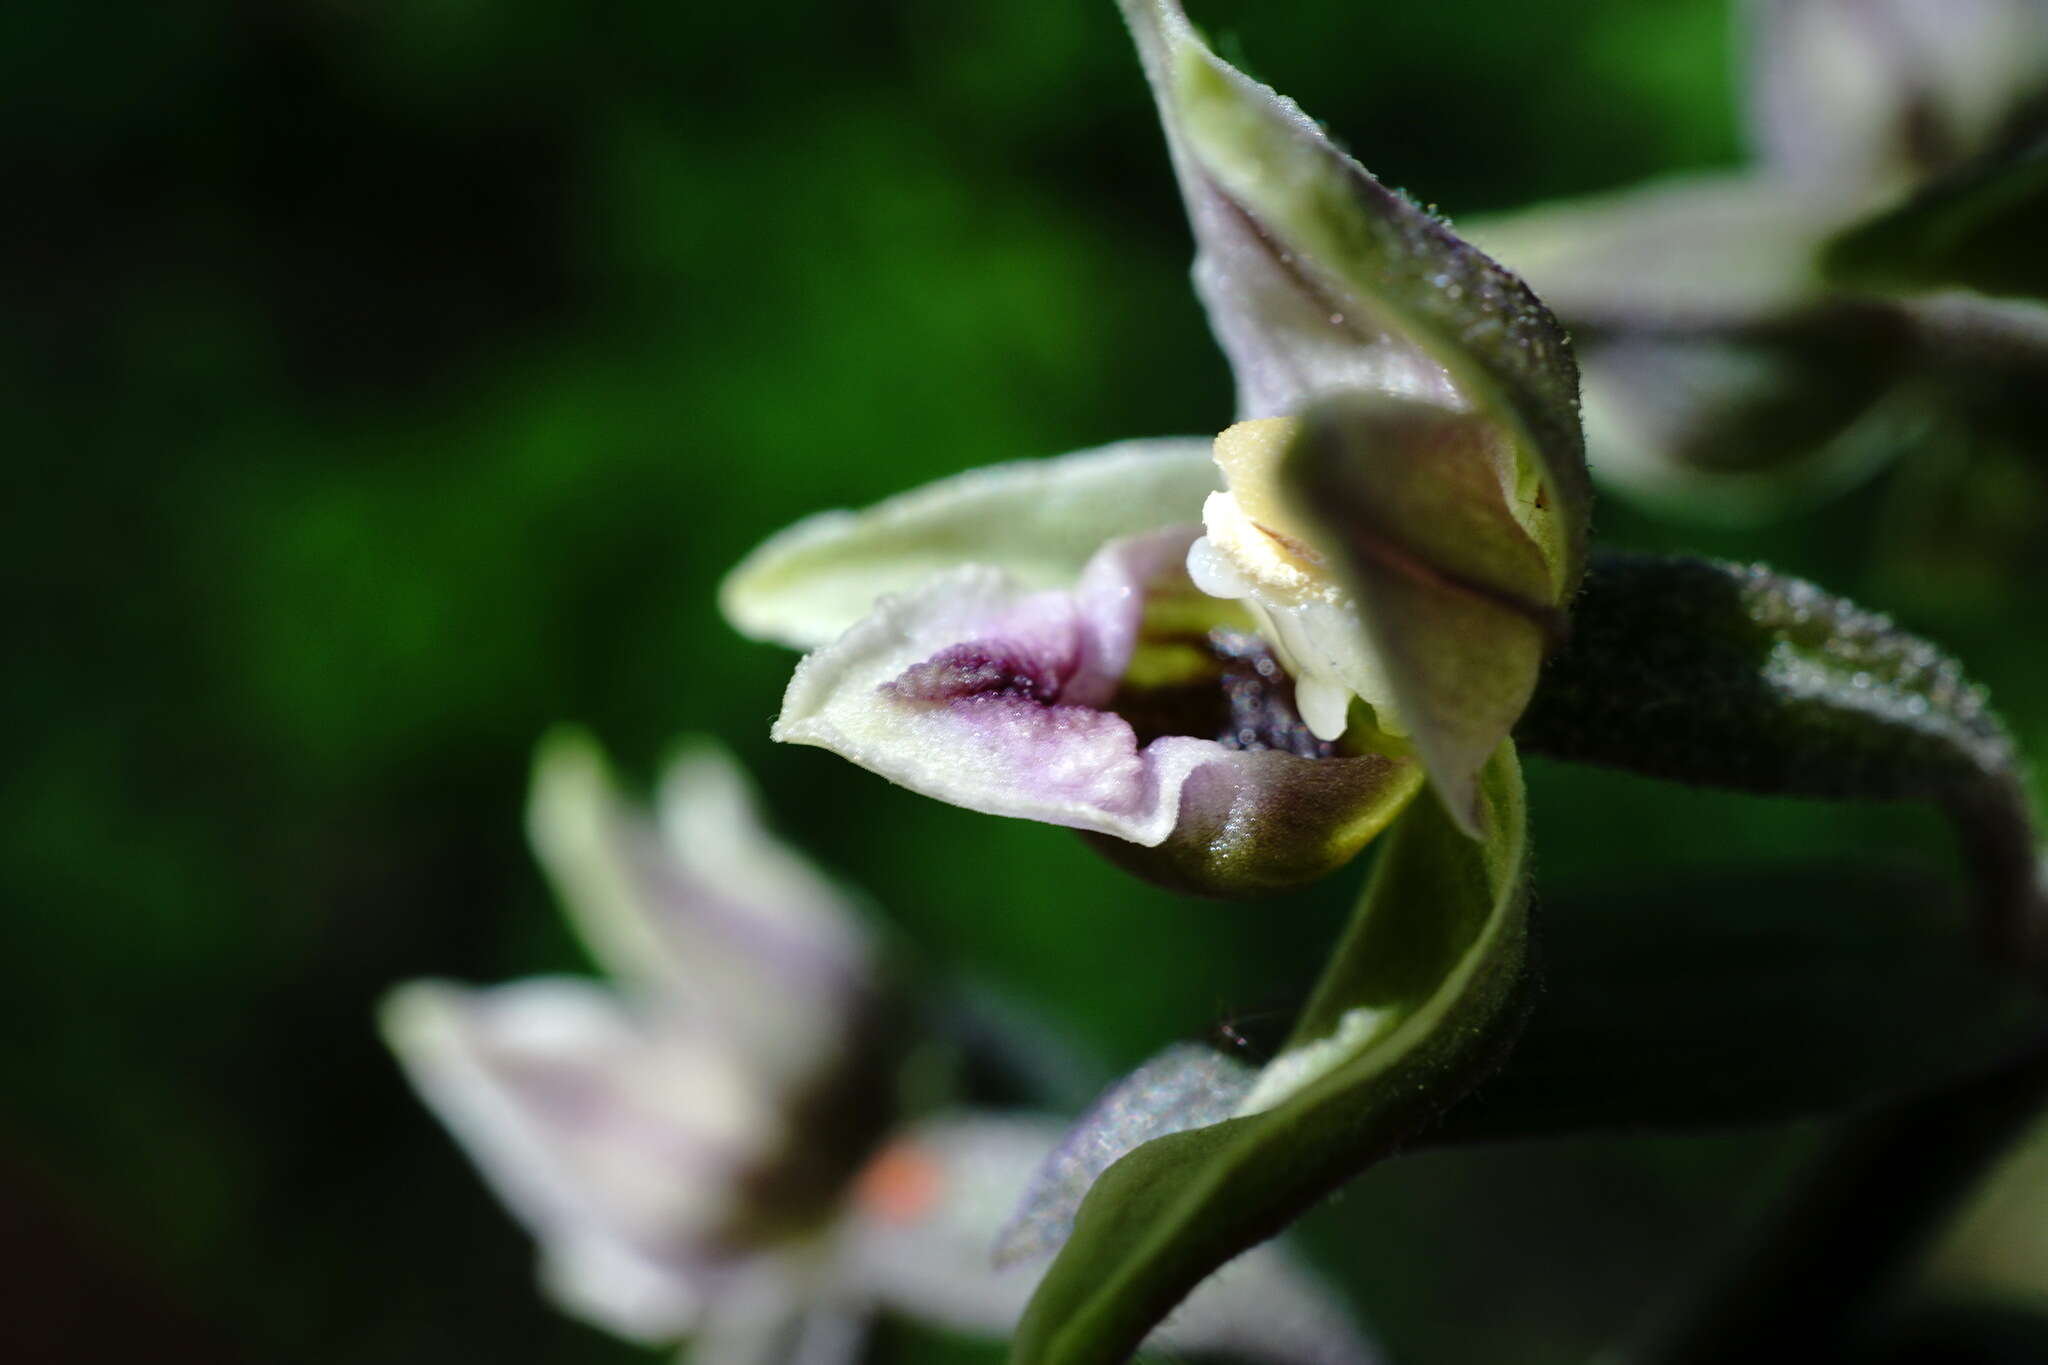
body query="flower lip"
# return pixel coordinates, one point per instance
(1225, 685)
(979, 669)
(1092, 708)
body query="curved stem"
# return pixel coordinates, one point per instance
(1732, 676)
(1995, 831)
(1872, 1199)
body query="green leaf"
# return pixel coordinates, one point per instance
(1189, 1085)
(1981, 228)
(1748, 997)
(1453, 596)
(1419, 1002)
(1734, 676)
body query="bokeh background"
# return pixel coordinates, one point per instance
(387, 380)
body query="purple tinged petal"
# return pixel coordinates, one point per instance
(618, 1144)
(979, 692)
(704, 910)
(722, 862)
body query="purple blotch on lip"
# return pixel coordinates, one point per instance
(982, 668)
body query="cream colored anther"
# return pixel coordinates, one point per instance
(1250, 527)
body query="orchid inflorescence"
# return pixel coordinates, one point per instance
(1232, 665)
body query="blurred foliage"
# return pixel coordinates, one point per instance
(390, 381)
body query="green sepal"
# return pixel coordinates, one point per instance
(1454, 598)
(1385, 258)
(1366, 274)
(1420, 1001)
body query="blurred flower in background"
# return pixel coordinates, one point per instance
(715, 1149)
(1739, 355)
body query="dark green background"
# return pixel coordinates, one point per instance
(384, 382)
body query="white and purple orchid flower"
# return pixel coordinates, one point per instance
(709, 1147)
(1234, 663)
(1728, 371)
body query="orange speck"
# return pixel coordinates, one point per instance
(900, 1185)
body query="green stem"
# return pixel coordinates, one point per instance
(1871, 1201)
(1732, 676)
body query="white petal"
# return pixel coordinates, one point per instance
(1687, 252)
(619, 1145)
(606, 1282)
(1865, 92)
(980, 692)
(785, 1310)
(1038, 520)
(921, 1231)
(1325, 702)
(708, 909)
(920, 1239)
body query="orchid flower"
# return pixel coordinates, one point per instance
(1743, 345)
(1233, 663)
(709, 1148)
